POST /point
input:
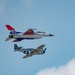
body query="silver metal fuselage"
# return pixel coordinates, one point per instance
(31, 50)
(25, 49)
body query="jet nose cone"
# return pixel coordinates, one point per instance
(51, 35)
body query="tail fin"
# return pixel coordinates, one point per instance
(10, 27)
(15, 47)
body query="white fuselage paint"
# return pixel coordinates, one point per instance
(34, 36)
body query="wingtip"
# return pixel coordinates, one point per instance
(23, 57)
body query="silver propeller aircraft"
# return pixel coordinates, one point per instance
(30, 51)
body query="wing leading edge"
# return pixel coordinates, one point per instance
(29, 32)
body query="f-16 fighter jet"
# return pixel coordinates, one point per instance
(29, 34)
(30, 51)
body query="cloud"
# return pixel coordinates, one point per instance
(2, 6)
(68, 69)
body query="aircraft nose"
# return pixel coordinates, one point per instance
(51, 35)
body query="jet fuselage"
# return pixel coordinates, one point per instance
(34, 36)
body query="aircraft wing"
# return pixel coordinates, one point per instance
(40, 47)
(28, 55)
(7, 39)
(29, 32)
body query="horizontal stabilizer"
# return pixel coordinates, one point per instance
(15, 40)
(28, 55)
(7, 39)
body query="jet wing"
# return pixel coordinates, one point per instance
(7, 39)
(29, 32)
(28, 55)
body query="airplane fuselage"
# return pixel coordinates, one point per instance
(30, 50)
(25, 49)
(37, 52)
(28, 36)
(34, 36)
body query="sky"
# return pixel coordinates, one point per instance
(52, 16)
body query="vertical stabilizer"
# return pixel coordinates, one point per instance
(15, 47)
(9, 27)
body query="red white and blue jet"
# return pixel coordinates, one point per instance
(29, 34)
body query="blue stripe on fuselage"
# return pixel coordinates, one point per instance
(19, 39)
(14, 32)
(29, 38)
